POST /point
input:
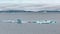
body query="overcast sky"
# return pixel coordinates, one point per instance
(31, 1)
(34, 5)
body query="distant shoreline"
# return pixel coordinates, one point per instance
(19, 11)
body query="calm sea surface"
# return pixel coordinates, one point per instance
(6, 28)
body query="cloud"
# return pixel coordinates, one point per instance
(29, 5)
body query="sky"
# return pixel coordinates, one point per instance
(33, 5)
(31, 1)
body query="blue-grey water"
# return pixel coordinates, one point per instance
(9, 28)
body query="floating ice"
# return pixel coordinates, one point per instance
(46, 22)
(18, 21)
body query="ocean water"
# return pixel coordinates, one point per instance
(9, 28)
